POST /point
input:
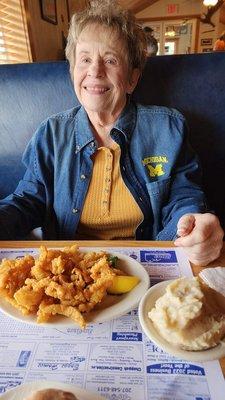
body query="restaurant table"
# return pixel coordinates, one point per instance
(112, 243)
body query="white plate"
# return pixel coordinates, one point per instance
(146, 304)
(22, 391)
(113, 306)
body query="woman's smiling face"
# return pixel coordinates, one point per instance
(102, 77)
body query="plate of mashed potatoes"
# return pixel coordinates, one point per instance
(49, 390)
(185, 318)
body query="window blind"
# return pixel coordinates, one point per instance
(14, 40)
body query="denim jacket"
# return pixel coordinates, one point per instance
(157, 166)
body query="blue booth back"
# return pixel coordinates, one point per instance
(194, 84)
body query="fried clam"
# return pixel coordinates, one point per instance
(67, 282)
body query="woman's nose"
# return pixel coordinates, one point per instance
(96, 69)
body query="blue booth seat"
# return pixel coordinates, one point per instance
(194, 84)
(28, 94)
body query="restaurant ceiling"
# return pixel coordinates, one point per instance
(136, 5)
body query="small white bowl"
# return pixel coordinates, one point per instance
(146, 304)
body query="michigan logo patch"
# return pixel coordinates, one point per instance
(155, 171)
(154, 165)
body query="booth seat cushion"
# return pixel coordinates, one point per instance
(28, 94)
(194, 84)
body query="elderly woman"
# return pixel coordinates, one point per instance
(111, 169)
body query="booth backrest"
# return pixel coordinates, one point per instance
(28, 94)
(194, 84)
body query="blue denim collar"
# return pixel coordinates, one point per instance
(83, 132)
(127, 120)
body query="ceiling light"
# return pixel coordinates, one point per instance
(210, 3)
(170, 33)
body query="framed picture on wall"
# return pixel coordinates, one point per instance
(206, 42)
(49, 11)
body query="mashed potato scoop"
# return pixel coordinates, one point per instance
(189, 315)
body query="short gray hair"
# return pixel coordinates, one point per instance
(108, 13)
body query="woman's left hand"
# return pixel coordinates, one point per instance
(201, 236)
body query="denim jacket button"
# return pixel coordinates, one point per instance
(83, 176)
(75, 210)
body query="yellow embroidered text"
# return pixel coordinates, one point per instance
(155, 159)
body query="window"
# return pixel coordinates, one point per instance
(14, 41)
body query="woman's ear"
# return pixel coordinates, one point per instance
(134, 76)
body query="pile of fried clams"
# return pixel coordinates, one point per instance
(67, 282)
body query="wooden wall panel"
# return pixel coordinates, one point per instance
(47, 40)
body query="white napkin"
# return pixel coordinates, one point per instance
(214, 278)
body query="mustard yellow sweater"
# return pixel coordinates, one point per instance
(110, 211)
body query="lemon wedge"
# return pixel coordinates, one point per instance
(123, 284)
